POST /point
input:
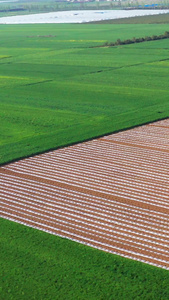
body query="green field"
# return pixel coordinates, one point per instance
(37, 265)
(58, 89)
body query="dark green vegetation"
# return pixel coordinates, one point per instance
(36, 265)
(138, 40)
(57, 90)
(154, 19)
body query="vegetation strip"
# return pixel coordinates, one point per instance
(137, 40)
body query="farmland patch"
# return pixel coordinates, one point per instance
(109, 193)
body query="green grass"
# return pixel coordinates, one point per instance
(37, 265)
(57, 90)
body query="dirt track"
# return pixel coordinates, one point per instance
(111, 193)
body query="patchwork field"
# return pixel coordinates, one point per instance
(110, 193)
(56, 89)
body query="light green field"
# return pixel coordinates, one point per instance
(57, 89)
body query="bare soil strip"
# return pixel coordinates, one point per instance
(111, 193)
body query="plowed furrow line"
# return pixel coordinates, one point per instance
(118, 189)
(96, 177)
(139, 145)
(118, 163)
(161, 218)
(52, 200)
(120, 168)
(91, 191)
(111, 216)
(84, 182)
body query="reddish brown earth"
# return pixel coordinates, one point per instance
(111, 193)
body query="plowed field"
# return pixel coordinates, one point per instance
(110, 193)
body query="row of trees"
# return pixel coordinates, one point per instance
(138, 40)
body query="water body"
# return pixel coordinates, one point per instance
(78, 16)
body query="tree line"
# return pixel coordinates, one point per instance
(165, 35)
